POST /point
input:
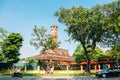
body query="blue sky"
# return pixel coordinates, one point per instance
(22, 15)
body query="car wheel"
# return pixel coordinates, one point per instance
(104, 75)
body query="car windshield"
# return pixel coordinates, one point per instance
(107, 69)
(112, 69)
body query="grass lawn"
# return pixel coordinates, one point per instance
(54, 74)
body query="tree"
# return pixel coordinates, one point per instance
(3, 35)
(31, 60)
(97, 25)
(114, 53)
(98, 54)
(111, 21)
(79, 54)
(42, 63)
(10, 48)
(41, 39)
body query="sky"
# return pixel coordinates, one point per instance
(22, 15)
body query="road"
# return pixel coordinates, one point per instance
(58, 78)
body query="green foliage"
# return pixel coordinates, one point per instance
(31, 60)
(1, 57)
(79, 54)
(3, 35)
(114, 55)
(78, 50)
(80, 58)
(11, 47)
(97, 25)
(33, 74)
(42, 64)
(38, 37)
(111, 23)
(41, 39)
(114, 52)
(100, 56)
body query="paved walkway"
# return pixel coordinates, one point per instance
(58, 78)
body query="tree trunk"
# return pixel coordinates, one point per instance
(47, 68)
(88, 66)
(88, 60)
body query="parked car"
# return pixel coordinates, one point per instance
(109, 72)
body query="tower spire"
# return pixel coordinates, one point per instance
(54, 21)
(54, 32)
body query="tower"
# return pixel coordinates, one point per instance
(54, 32)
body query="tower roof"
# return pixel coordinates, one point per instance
(54, 26)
